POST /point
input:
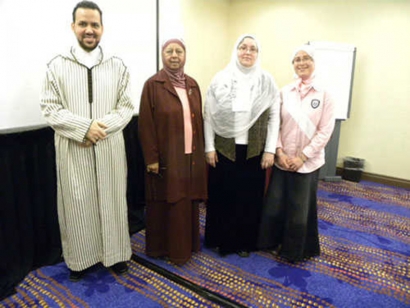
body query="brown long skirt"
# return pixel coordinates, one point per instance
(172, 230)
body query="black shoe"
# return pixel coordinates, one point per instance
(120, 268)
(243, 253)
(220, 252)
(276, 251)
(76, 275)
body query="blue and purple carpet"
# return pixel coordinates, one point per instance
(365, 241)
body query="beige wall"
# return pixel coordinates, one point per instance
(378, 127)
(206, 27)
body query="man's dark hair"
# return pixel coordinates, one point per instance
(87, 5)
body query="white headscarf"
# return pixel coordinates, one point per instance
(238, 95)
(309, 49)
(304, 86)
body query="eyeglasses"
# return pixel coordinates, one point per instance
(170, 52)
(303, 59)
(245, 48)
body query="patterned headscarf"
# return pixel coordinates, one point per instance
(177, 76)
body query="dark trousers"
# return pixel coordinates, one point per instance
(289, 216)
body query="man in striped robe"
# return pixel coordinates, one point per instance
(86, 100)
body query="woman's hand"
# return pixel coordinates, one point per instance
(268, 159)
(295, 163)
(153, 168)
(211, 158)
(283, 160)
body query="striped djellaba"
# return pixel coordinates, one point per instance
(91, 181)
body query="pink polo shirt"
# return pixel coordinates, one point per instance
(306, 125)
(187, 119)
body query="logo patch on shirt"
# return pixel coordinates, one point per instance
(315, 103)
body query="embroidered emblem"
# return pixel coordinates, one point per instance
(315, 103)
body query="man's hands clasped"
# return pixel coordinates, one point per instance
(95, 133)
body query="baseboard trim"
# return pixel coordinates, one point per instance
(382, 179)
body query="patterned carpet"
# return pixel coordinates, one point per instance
(141, 287)
(364, 235)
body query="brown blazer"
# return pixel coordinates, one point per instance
(161, 132)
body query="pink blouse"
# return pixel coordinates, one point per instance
(187, 119)
(306, 125)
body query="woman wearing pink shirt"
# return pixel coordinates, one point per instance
(172, 140)
(289, 224)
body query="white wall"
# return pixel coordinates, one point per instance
(33, 32)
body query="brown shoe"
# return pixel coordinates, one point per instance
(120, 268)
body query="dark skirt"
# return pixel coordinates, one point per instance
(235, 202)
(172, 230)
(289, 217)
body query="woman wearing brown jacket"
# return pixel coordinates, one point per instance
(172, 140)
